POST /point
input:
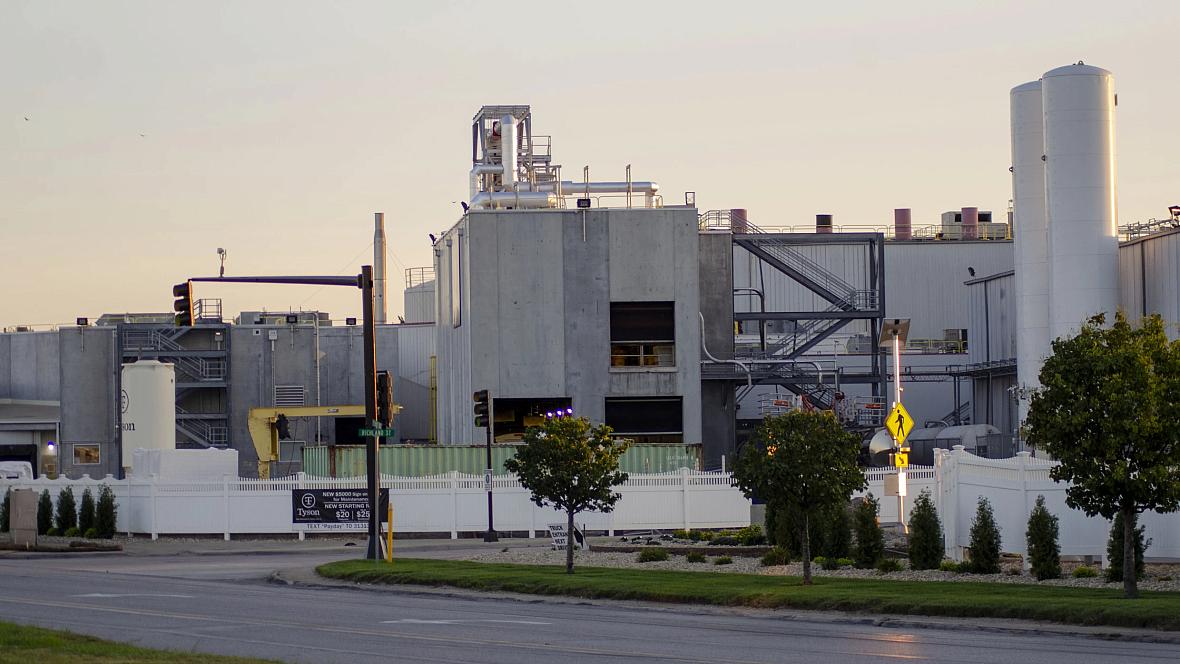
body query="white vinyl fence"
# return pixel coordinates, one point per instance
(449, 503)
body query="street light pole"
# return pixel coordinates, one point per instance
(373, 445)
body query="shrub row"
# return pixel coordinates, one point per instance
(93, 519)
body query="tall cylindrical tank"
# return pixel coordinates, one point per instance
(1080, 195)
(902, 225)
(970, 217)
(1028, 220)
(148, 407)
(823, 223)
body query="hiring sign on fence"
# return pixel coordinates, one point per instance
(332, 509)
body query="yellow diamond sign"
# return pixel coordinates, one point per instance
(899, 423)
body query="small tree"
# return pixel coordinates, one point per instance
(802, 462)
(1044, 553)
(4, 510)
(985, 540)
(870, 540)
(86, 511)
(830, 531)
(44, 512)
(1108, 412)
(106, 514)
(571, 465)
(67, 510)
(1114, 550)
(926, 543)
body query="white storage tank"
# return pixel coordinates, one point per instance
(148, 408)
(1080, 183)
(1030, 233)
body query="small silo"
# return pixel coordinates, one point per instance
(148, 408)
(1029, 231)
(1080, 195)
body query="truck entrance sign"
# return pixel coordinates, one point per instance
(332, 509)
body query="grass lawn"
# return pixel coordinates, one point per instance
(1079, 606)
(21, 643)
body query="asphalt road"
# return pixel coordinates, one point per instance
(223, 604)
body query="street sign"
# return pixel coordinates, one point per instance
(560, 537)
(331, 509)
(899, 423)
(901, 459)
(487, 479)
(371, 433)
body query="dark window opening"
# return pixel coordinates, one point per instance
(646, 419)
(642, 334)
(510, 417)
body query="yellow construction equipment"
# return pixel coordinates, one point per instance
(265, 432)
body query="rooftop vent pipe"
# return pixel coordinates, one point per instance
(738, 220)
(902, 230)
(823, 223)
(970, 218)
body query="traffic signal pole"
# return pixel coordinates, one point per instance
(363, 281)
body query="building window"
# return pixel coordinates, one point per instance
(646, 419)
(510, 417)
(642, 335)
(87, 455)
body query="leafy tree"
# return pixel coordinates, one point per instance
(870, 540)
(86, 511)
(1044, 553)
(830, 531)
(5, 510)
(1114, 550)
(803, 462)
(985, 540)
(44, 513)
(106, 513)
(571, 465)
(67, 510)
(1108, 411)
(926, 543)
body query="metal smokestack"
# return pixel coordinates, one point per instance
(379, 311)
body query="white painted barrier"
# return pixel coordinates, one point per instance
(451, 503)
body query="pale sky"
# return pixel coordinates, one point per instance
(160, 131)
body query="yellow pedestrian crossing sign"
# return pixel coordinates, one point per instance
(899, 423)
(901, 460)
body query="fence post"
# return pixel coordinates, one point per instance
(454, 504)
(152, 498)
(299, 484)
(225, 504)
(1022, 459)
(684, 497)
(956, 457)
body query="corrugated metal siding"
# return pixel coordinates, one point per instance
(992, 335)
(1149, 271)
(421, 460)
(419, 303)
(415, 346)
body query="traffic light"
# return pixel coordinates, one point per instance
(385, 398)
(481, 408)
(183, 306)
(283, 427)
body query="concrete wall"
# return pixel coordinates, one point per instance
(29, 366)
(716, 305)
(90, 370)
(535, 308)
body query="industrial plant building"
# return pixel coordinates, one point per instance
(674, 326)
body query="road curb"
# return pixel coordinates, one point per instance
(308, 578)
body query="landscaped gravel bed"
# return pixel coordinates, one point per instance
(544, 556)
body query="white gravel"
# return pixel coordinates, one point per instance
(544, 556)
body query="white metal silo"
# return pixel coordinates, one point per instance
(148, 407)
(1080, 192)
(1029, 228)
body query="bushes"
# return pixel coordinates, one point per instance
(1044, 553)
(926, 544)
(723, 560)
(4, 510)
(725, 540)
(776, 556)
(1083, 572)
(106, 513)
(888, 565)
(985, 540)
(870, 541)
(44, 513)
(751, 535)
(655, 555)
(830, 531)
(72, 532)
(680, 534)
(67, 510)
(698, 557)
(91, 533)
(86, 512)
(952, 566)
(1114, 551)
